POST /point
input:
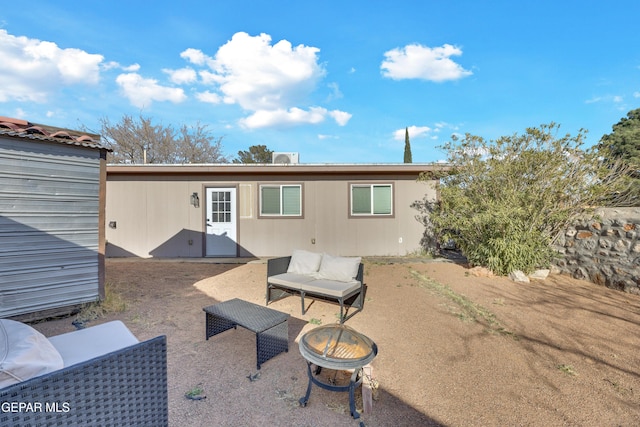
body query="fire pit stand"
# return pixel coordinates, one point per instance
(340, 348)
(356, 380)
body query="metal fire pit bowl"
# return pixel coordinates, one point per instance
(337, 347)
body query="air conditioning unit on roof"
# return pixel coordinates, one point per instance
(284, 158)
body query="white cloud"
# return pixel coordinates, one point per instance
(209, 78)
(111, 65)
(292, 116)
(636, 94)
(615, 99)
(77, 66)
(142, 92)
(335, 91)
(260, 76)
(182, 76)
(31, 70)
(131, 68)
(209, 97)
(194, 56)
(415, 61)
(414, 132)
(271, 81)
(341, 117)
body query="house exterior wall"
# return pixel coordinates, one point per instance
(51, 247)
(148, 210)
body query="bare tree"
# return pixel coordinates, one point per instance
(140, 141)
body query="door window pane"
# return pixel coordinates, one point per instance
(220, 209)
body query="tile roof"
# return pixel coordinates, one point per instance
(24, 129)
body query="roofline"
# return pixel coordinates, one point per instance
(18, 128)
(260, 168)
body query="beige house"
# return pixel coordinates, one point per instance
(262, 210)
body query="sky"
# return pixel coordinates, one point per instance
(335, 81)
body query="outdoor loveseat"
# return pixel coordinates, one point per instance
(319, 277)
(98, 376)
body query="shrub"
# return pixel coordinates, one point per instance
(505, 201)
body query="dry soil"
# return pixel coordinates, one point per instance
(454, 349)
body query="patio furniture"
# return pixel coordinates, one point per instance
(338, 348)
(319, 277)
(127, 385)
(270, 326)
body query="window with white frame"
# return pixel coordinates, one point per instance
(371, 199)
(281, 200)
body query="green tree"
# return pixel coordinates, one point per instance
(255, 154)
(407, 147)
(505, 201)
(139, 140)
(623, 143)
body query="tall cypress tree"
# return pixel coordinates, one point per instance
(407, 147)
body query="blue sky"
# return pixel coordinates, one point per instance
(335, 81)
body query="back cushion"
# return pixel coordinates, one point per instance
(304, 262)
(342, 269)
(24, 353)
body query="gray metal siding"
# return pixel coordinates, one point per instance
(49, 210)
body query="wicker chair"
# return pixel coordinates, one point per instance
(127, 387)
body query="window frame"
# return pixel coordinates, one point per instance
(280, 186)
(371, 186)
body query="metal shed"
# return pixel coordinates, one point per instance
(52, 202)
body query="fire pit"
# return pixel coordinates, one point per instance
(340, 348)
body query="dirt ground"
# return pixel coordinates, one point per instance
(454, 349)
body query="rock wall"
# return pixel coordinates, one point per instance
(604, 249)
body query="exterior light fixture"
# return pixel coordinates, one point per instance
(195, 200)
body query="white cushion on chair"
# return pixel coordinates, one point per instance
(304, 262)
(333, 288)
(342, 269)
(290, 280)
(85, 344)
(25, 353)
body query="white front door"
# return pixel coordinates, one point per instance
(221, 222)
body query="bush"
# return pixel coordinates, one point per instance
(505, 201)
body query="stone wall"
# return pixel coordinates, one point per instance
(604, 249)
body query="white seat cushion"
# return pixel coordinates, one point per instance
(332, 288)
(290, 280)
(85, 344)
(25, 353)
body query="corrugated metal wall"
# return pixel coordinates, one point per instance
(49, 207)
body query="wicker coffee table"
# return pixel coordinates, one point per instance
(270, 326)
